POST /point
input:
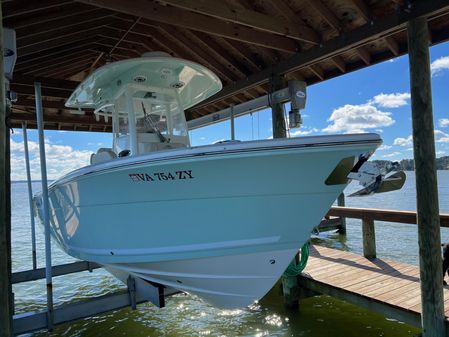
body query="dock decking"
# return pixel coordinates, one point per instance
(388, 287)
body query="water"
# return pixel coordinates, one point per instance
(186, 315)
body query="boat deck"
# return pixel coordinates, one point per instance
(389, 287)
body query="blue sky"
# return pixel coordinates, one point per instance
(374, 99)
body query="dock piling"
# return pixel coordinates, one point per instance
(341, 203)
(426, 180)
(369, 238)
(6, 297)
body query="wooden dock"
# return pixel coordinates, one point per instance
(388, 287)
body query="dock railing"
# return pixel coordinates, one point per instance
(369, 215)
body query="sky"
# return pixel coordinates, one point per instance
(374, 99)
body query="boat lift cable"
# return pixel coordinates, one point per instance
(294, 269)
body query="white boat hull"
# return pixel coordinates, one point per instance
(211, 218)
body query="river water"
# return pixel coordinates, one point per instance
(186, 315)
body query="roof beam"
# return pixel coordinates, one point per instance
(392, 45)
(339, 63)
(50, 15)
(58, 25)
(78, 119)
(198, 22)
(15, 8)
(364, 55)
(46, 82)
(362, 8)
(326, 13)
(243, 16)
(385, 26)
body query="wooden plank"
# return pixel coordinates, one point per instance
(198, 22)
(392, 288)
(243, 16)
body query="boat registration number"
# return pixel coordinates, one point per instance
(161, 176)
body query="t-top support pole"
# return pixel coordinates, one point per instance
(30, 193)
(232, 122)
(432, 316)
(45, 203)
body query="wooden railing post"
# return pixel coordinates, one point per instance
(369, 238)
(341, 202)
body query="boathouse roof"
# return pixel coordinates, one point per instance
(245, 42)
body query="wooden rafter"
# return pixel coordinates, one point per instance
(387, 25)
(330, 18)
(197, 22)
(242, 16)
(392, 45)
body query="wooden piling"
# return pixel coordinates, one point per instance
(341, 203)
(426, 180)
(369, 238)
(277, 110)
(6, 302)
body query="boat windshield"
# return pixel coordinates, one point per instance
(159, 118)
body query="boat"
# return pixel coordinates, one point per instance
(221, 221)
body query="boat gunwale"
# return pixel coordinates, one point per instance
(219, 149)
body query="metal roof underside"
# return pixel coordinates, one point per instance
(244, 42)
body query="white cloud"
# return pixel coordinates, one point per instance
(440, 137)
(443, 122)
(440, 153)
(404, 141)
(357, 118)
(60, 160)
(439, 65)
(384, 147)
(303, 132)
(395, 100)
(393, 154)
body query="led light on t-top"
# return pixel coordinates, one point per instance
(198, 219)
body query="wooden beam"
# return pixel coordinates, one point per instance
(339, 63)
(46, 104)
(198, 22)
(243, 16)
(49, 34)
(67, 10)
(406, 217)
(392, 45)
(317, 70)
(326, 14)
(364, 55)
(46, 54)
(429, 239)
(50, 118)
(15, 8)
(59, 25)
(46, 82)
(6, 295)
(60, 42)
(362, 9)
(56, 64)
(48, 92)
(388, 25)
